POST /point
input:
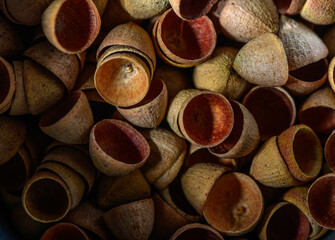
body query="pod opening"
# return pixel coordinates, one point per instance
(64, 231)
(309, 73)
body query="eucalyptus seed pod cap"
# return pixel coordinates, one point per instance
(133, 220)
(244, 137)
(71, 31)
(331, 74)
(64, 231)
(70, 121)
(197, 182)
(196, 231)
(175, 107)
(289, 7)
(263, 61)
(191, 11)
(117, 148)
(320, 12)
(234, 204)
(329, 151)
(245, 20)
(206, 119)
(144, 9)
(216, 74)
(7, 83)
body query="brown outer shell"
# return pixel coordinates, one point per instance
(73, 127)
(188, 227)
(248, 140)
(64, 66)
(320, 12)
(331, 75)
(49, 25)
(5, 104)
(131, 221)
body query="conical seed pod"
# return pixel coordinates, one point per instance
(167, 220)
(187, 43)
(147, 9)
(148, 113)
(331, 74)
(197, 182)
(328, 40)
(298, 197)
(234, 204)
(16, 171)
(117, 148)
(7, 83)
(273, 109)
(263, 61)
(88, 216)
(320, 195)
(71, 31)
(269, 168)
(112, 191)
(206, 119)
(72, 179)
(245, 20)
(76, 160)
(66, 231)
(188, 11)
(302, 152)
(12, 135)
(46, 197)
(27, 12)
(318, 112)
(244, 137)
(281, 216)
(217, 75)
(175, 107)
(11, 43)
(19, 104)
(196, 231)
(131, 221)
(167, 153)
(289, 7)
(122, 79)
(65, 66)
(329, 151)
(70, 121)
(130, 35)
(319, 12)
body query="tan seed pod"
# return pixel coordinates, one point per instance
(8, 85)
(273, 109)
(206, 119)
(71, 31)
(117, 148)
(289, 7)
(331, 74)
(191, 11)
(148, 113)
(65, 66)
(298, 197)
(245, 20)
(320, 12)
(167, 153)
(329, 151)
(19, 104)
(64, 231)
(46, 197)
(11, 43)
(175, 107)
(70, 121)
(328, 40)
(197, 182)
(196, 231)
(144, 9)
(244, 137)
(263, 61)
(114, 191)
(217, 75)
(12, 135)
(132, 220)
(283, 215)
(318, 112)
(88, 216)
(234, 204)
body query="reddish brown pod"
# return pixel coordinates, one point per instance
(117, 148)
(330, 151)
(191, 10)
(183, 43)
(71, 25)
(273, 109)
